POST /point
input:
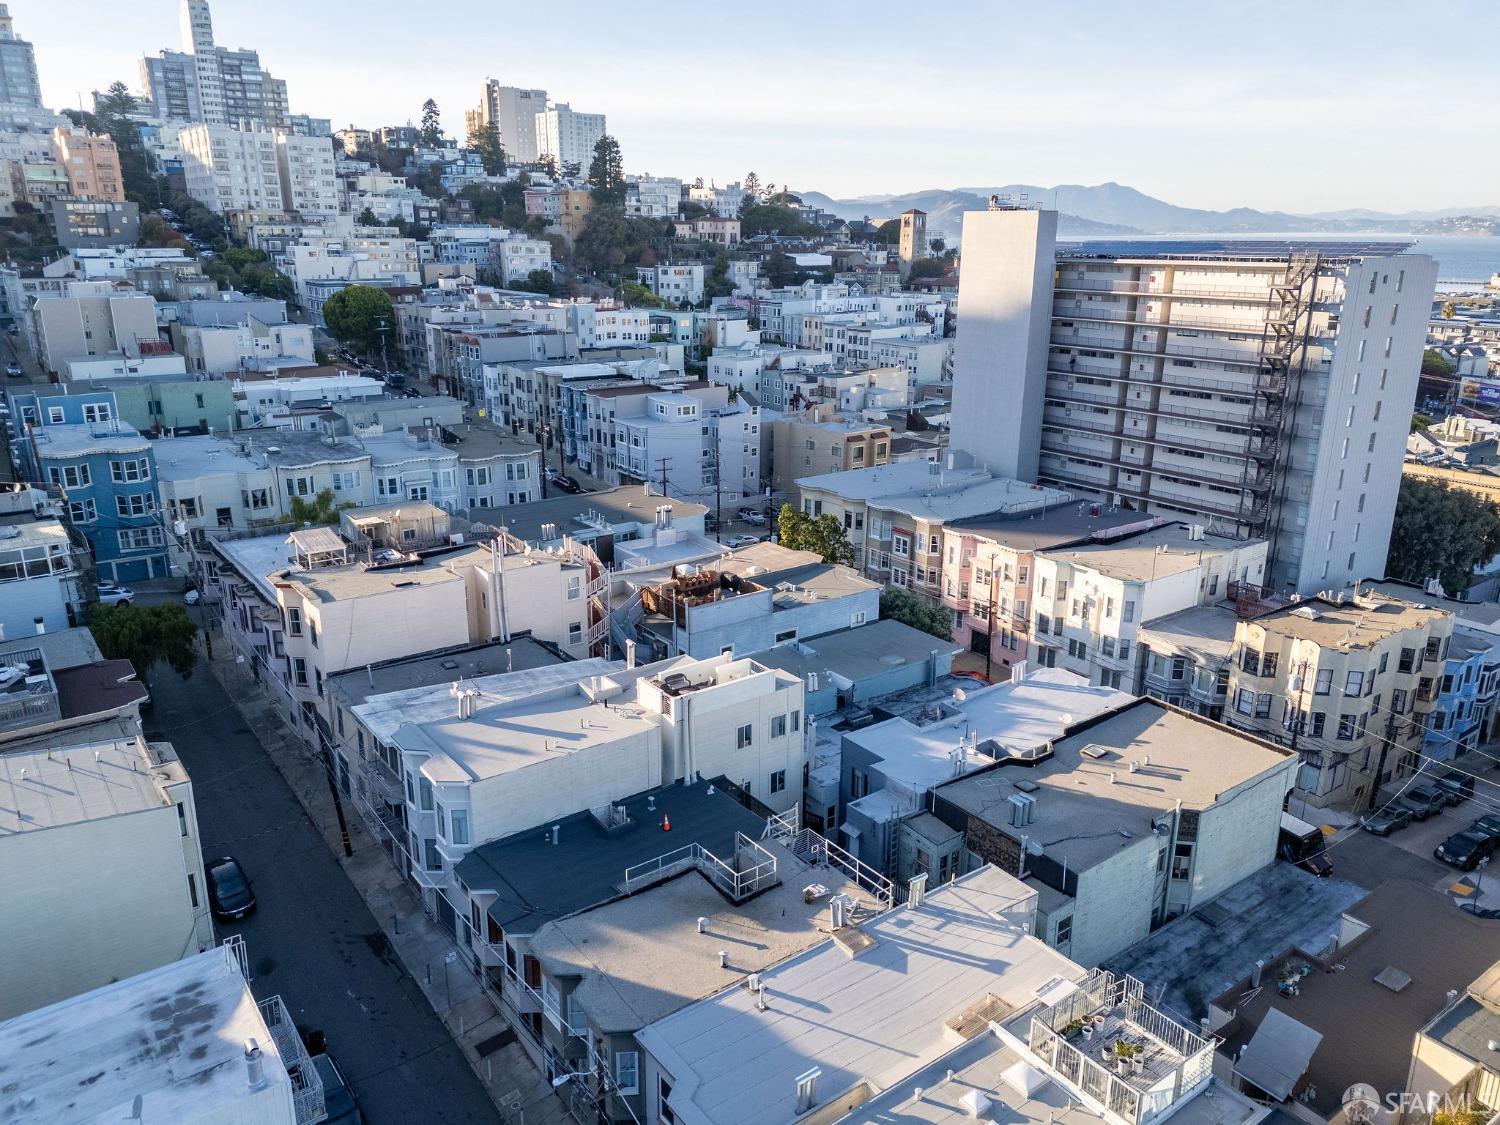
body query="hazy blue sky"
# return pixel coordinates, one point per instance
(1313, 105)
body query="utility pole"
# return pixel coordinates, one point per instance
(383, 325)
(663, 462)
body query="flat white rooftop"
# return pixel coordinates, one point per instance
(173, 1037)
(877, 1017)
(51, 787)
(1018, 716)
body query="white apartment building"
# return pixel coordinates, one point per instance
(358, 259)
(309, 184)
(1090, 599)
(230, 169)
(653, 197)
(567, 136)
(199, 1018)
(511, 255)
(676, 285)
(1263, 388)
(515, 110)
(216, 349)
(91, 318)
(113, 828)
(724, 201)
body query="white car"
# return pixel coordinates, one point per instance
(750, 515)
(192, 597)
(115, 595)
(741, 541)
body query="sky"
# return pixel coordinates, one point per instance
(1317, 105)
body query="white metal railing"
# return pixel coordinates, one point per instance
(307, 1087)
(735, 883)
(780, 826)
(814, 848)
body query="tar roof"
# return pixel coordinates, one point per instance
(288, 449)
(1087, 803)
(1162, 551)
(523, 869)
(66, 648)
(1055, 526)
(468, 662)
(619, 949)
(173, 1037)
(877, 1017)
(50, 787)
(581, 514)
(356, 580)
(1361, 622)
(81, 438)
(1232, 249)
(1480, 613)
(858, 653)
(1018, 716)
(187, 458)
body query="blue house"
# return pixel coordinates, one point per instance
(1467, 696)
(104, 473)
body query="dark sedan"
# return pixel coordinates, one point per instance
(229, 893)
(1466, 850)
(338, 1098)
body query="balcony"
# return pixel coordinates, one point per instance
(1114, 1050)
(307, 1087)
(28, 695)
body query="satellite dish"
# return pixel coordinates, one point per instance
(1033, 848)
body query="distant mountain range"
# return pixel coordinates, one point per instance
(1110, 209)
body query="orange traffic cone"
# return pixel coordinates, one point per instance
(666, 823)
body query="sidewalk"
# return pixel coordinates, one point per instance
(424, 949)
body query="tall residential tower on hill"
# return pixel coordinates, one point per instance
(1262, 388)
(203, 82)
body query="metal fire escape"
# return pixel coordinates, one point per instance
(1283, 358)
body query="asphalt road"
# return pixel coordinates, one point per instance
(312, 940)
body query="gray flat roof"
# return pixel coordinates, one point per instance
(1481, 613)
(1205, 629)
(1468, 1028)
(173, 1037)
(623, 987)
(573, 515)
(1164, 550)
(1354, 624)
(523, 869)
(1232, 249)
(877, 1017)
(52, 786)
(858, 653)
(66, 648)
(77, 439)
(1086, 804)
(468, 662)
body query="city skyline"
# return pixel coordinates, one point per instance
(1038, 100)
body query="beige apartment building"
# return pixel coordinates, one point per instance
(91, 162)
(820, 441)
(1350, 680)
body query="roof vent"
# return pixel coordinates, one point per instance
(807, 1089)
(1022, 806)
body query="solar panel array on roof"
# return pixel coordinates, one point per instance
(1263, 249)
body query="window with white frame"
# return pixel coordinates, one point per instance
(628, 1072)
(54, 415)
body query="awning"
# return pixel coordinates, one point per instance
(1278, 1054)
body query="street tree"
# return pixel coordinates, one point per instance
(1450, 310)
(607, 171)
(1441, 532)
(432, 128)
(322, 510)
(912, 609)
(357, 314)
(146, 634)
(823, 534)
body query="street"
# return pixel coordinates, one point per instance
(312, 939)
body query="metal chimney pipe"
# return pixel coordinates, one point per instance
(255, 1069)
(556, 830)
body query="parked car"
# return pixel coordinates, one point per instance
(564, 483)
(230, 896)
(338, 1097)
(115, 595)
(1390, 819)
(741, 541)
(1466, 850)
(1487, 825)
(752, 516)
(1479, 911)
(14, 370)
(412, 392)
(1456, 786)
(192, 597)
(1422, 802)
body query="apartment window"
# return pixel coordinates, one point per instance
(95, 412)
(796, 721)
(137, 505)
(192, 891)
(778, 726)
(1408, 660)
(294, 621)
(458, 822)
(299, 671)
(432, 860)
(575, 633)
(663, 1110)
(743, 737)
(82, 511)
(133, 470)
(1244, 701)
(424, 792)
(628, 1071)
(1323, 684)
(1348, 725)
(1398, 701)
(575, 588)
(54, 415)
(778, 781)
(1064, 932)
(1316, 730)
(1354, 683)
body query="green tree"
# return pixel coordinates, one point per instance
(607, 171)
(752, 187)
(1475, 1114)
(1450, 310)
(928, 267)
(432, 128)
(638, 296)
(1420, 423)
(321, 511)
(716, 282)
(911, 609)
(888, 233)
(610, 239)
(1435, 364)
(491, 151)
(779, 271)
(691, 209)
(366, 218)
(938, 246)
(823, 534)
(1441, 532)
(774, 218)
(537, 281)
(548, 164)
(355, 315)
(145, 634)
